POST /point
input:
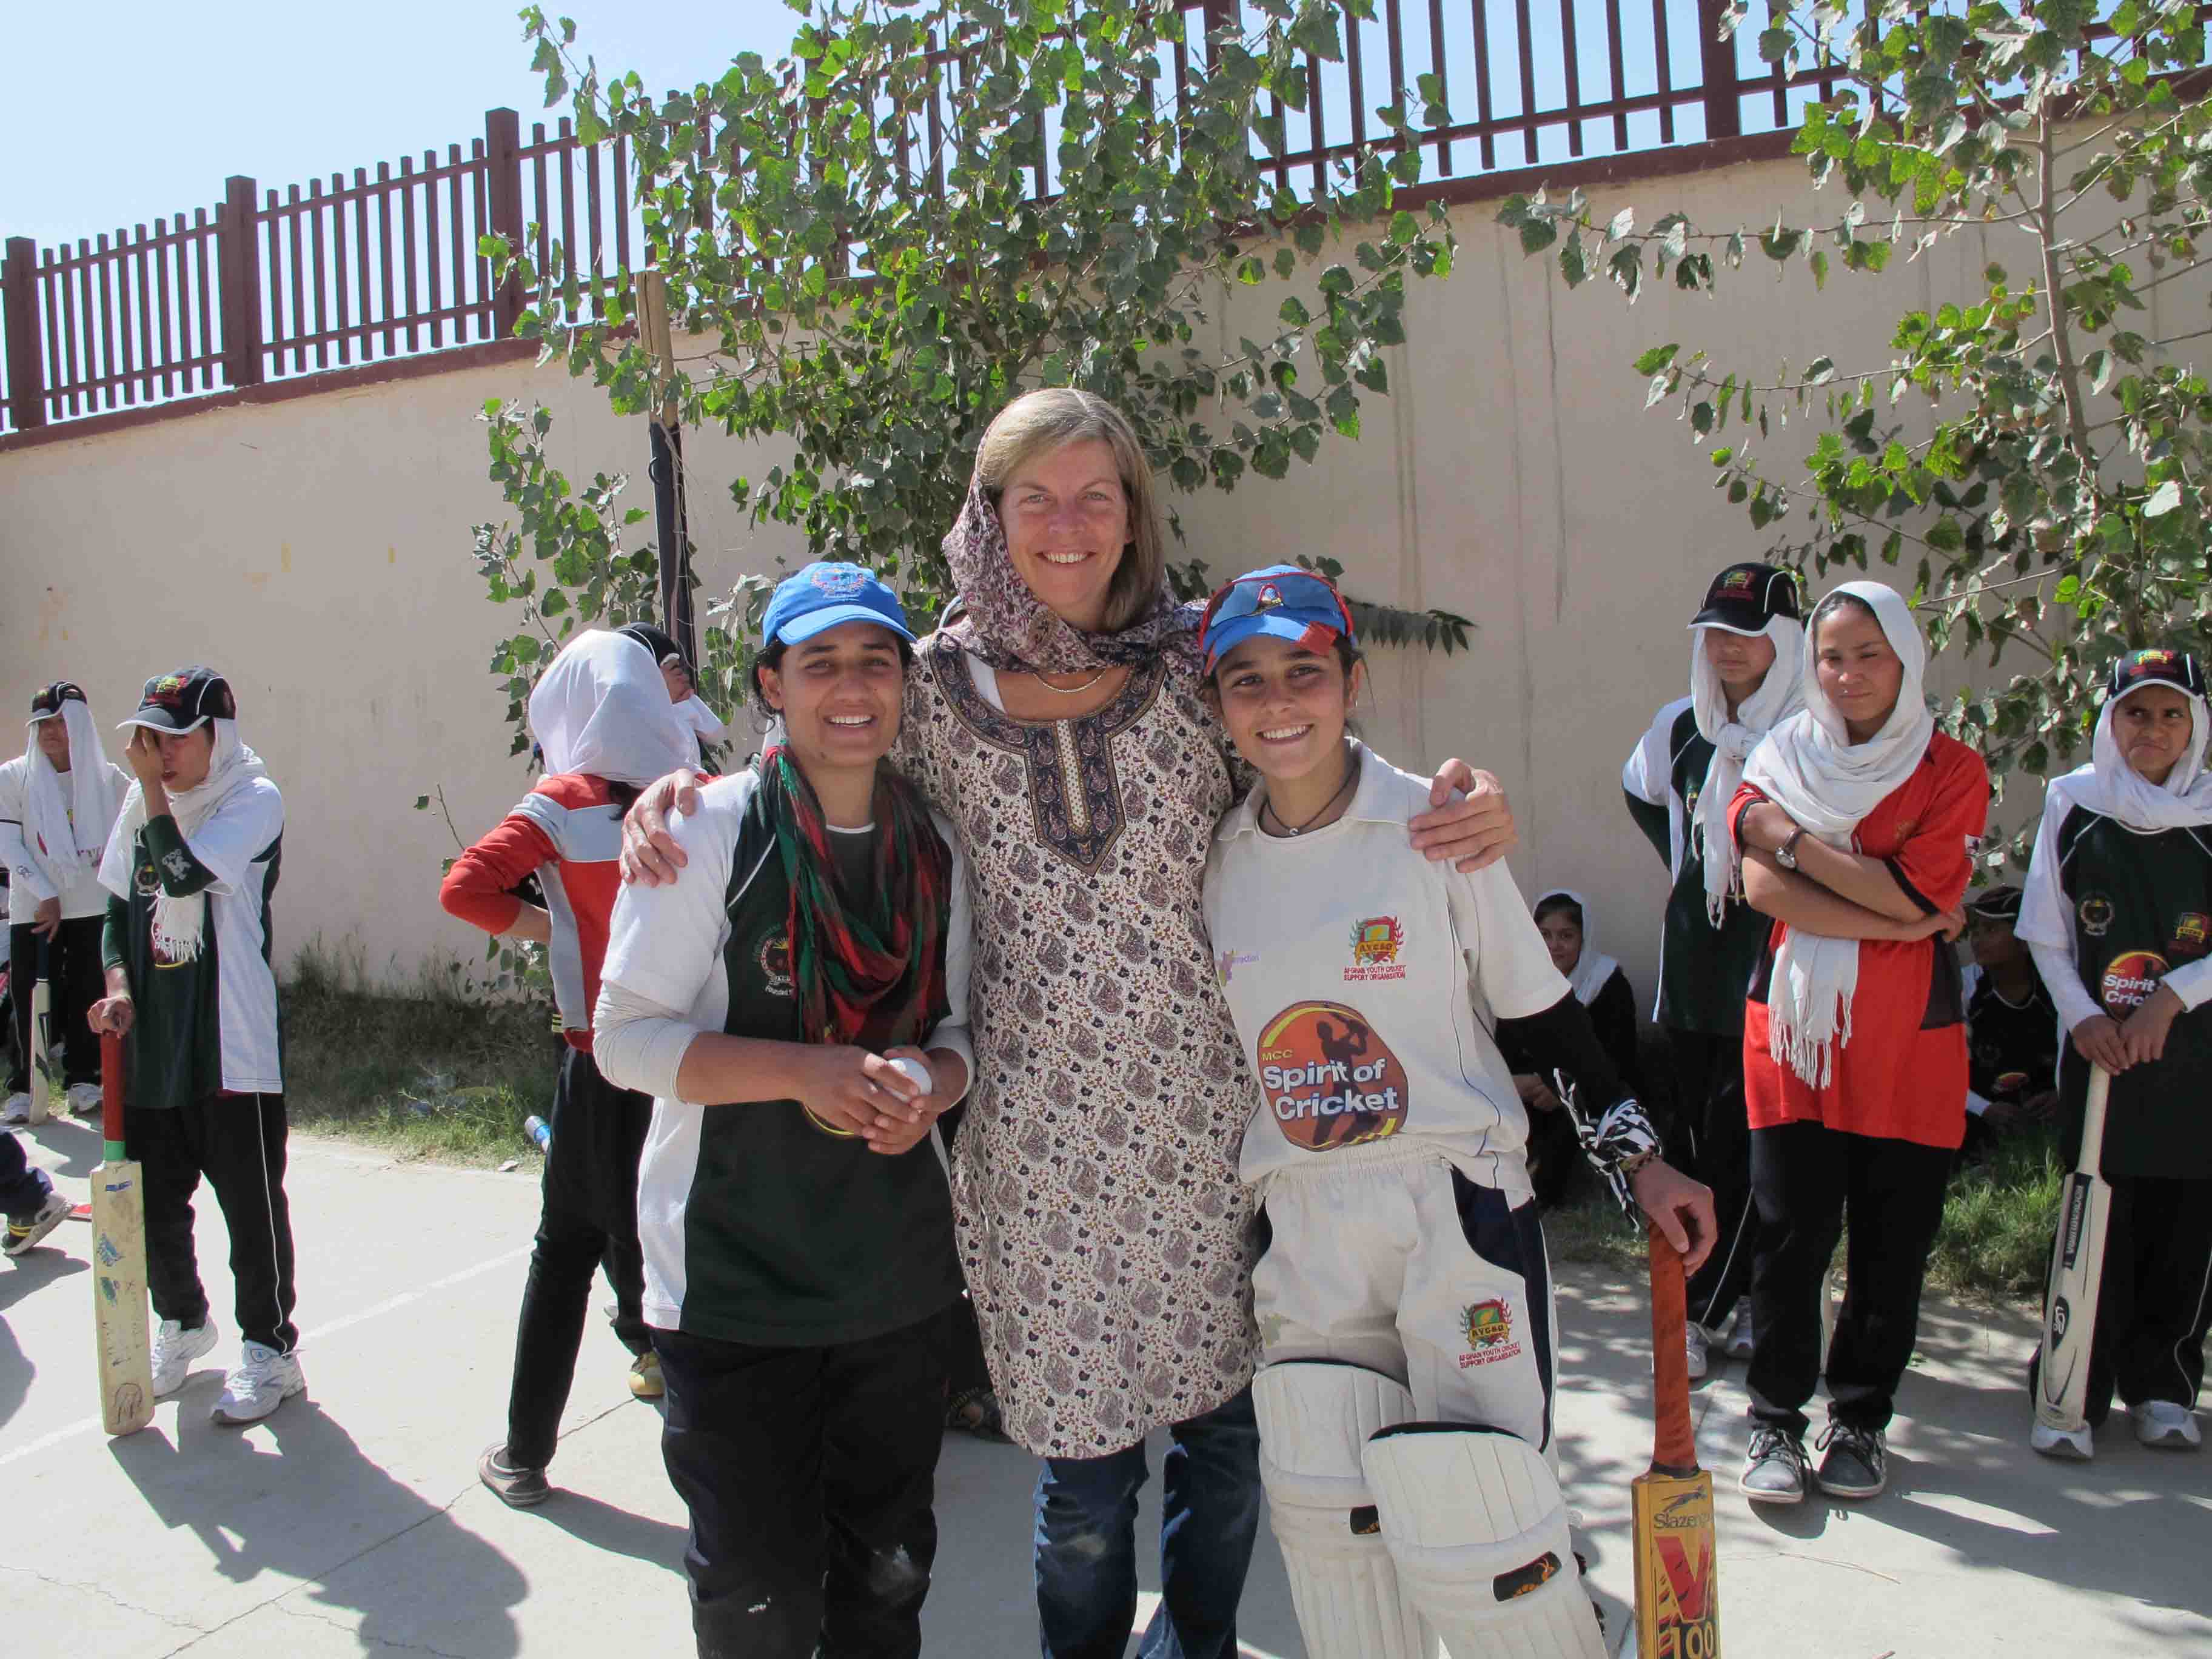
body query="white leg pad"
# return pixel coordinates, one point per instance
(1477, 1524)
(1315, 1418)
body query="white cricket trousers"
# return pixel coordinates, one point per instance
(1403, 1265)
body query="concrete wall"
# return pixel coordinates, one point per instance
(318, 549)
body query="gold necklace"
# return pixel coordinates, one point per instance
(1076, 690)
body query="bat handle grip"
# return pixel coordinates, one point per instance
(110, 1095)
(1674, 1442)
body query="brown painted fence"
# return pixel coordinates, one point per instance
(267, 286)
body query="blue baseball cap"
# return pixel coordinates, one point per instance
(824, 594)
(1286, 601)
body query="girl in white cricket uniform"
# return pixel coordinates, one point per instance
(1404, 1303)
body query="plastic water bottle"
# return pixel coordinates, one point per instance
(539, 1131)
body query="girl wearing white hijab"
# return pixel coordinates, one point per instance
(189, 868)
(603, 723)
(57, 804)
(1601, 985)
(1855, 822)
(1746, 674)
(2119, 915)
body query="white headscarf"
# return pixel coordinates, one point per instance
(177, 921)
(69, 813)
(1810, 767)
(1591, 969)
(1780, 694)
(603, 709)
(2108, 785)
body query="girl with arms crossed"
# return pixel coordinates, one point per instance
(1403, 1297)
(1856, 818)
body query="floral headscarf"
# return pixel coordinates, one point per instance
(1001, 621)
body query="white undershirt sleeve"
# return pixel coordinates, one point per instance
(2063, 980)
(638, 1043)
(2192, 982)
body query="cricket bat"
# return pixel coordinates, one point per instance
(2069, 1309)
(118, 1265)
(42, 1042)
(1671, 1504)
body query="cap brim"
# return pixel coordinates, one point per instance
(161, 722)
(1731, 619)
(1227, 635)
(801, 628)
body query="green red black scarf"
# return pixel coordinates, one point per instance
(868, 968)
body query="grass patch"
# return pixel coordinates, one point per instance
(1995, 1244)
(434, 1075)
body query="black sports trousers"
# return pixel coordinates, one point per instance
(1805, 1178)
(1710, 1107)
(809, 1473)
(79, 981)
(588, 1217)
(237, 1141)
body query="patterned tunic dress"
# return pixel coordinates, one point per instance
(1107, 1241)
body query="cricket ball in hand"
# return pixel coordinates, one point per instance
(915, 1072)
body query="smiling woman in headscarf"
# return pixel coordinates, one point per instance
(2119, 915)
(602, 718)
(1855, 820)
(1056, 720)
(58, 802)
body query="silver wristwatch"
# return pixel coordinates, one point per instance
(1786, 854)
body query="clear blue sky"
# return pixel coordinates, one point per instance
(122, 109)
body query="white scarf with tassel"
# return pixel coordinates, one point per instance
(178, 922)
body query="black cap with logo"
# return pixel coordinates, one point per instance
(1999, 903)
(657, 642)
(1745, 597)
(49, 699)
(184, 702)
(2178, 669)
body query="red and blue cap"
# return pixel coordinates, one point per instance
(1285, 601)
(824, 594)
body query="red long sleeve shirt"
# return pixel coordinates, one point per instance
(568, 832)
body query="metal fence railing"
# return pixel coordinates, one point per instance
(266, 285)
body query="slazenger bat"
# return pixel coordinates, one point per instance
(118, 1265)
(1671, 1504)
(2069, 1309)
(42, 1042)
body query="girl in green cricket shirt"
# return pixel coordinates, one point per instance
(801, 1031)
(1403, 1297)
(189, 868)
(2118, 913)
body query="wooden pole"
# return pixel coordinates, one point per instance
(671, 528)
(19, 301)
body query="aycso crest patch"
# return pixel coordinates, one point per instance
(1376, 942)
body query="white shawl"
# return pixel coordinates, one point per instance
(1591, 969)
(177, 921)
(1810, 767)
(603, 709)
(1780, 694)
(69, 813)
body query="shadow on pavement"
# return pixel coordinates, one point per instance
(294, 1497)
(27, 1274)
(602, 1525)
(78, 1144)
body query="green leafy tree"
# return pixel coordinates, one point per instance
(923, 210)
(2034, 458)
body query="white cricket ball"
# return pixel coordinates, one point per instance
(915, 1072)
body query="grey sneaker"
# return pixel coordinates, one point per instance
(2166, 1423)
(1693, 1347)
(518, 1488)
(18, 1109)
(1774, 1470)
(1856, 1464)
(262, 1381)
(1740, 1336)
(175, 1349)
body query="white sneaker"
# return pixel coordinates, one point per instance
(85, 1099)
(2165, 1423)
(1693, 1343)
(175, 1349)
(1738, 1342)
(262, 1381)
(18, 1109)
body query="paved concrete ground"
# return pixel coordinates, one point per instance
(351, 1522)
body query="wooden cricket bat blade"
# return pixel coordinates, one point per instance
(42, 1055)
(118, 1266)
(2069, 1307)
(1677, 1555)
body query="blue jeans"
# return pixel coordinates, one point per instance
(1086, 1551)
